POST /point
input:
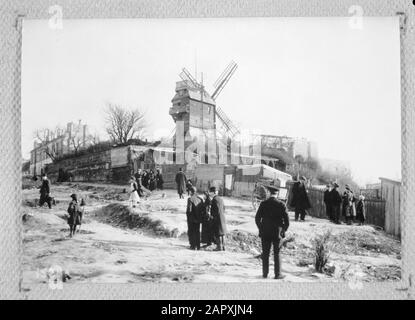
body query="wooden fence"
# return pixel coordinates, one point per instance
(375, 208)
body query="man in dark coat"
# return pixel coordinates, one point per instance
(299, 200)
(272, 221)
(181, 183)
(207, 234)
(217, 210)
(327, 202)
(45, 193)
(152, 183)
(194, 213)
(336, 201)
(145, 179)
(159, 180)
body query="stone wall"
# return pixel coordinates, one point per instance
(105, 166)
(90, 167)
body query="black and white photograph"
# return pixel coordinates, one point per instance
(207, 157)
(211, 150)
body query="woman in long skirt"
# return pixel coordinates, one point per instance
(134, 197)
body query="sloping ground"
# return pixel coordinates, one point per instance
(374, 254)
(148, 243)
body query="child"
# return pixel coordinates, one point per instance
(189, 186)
(360, 210)
(73, 219)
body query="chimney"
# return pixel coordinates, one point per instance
(84, 133)
(69, 127)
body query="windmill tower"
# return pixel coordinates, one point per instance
(197, 116)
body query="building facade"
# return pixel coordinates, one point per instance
(56, 144)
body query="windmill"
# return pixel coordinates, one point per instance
(196, 109)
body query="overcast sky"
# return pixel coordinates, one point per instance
(303, 77)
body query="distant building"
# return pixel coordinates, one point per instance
(280, 152)
(335, 167)
(57, 144)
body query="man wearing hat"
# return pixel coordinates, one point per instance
(74, 215)
(272, 221)
(327, 202)
(45, 193)
(299, 200)
(194, 213)
(217, 211)
(336, 201)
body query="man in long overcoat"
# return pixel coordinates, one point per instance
(181, 183)
(45, 193)
(328, 202)
(272, 222)
(336, 201)
(217, 211)
(299, 200)
(207, 234)
(194, 213)
(159, 180)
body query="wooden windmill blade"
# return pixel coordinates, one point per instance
(187, 77)
(224, 79)
(230, 128)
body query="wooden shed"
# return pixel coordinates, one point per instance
(391, 193)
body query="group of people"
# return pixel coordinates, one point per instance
(150, 180)
(351, 207)
(143, 182)
(206, 219)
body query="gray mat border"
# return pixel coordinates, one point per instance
(12, 13)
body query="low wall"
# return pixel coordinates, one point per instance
(104, 166)
(90, 167)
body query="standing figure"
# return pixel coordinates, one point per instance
(349, 209)
(152, 185)
(360, 210)
(336, 201)
(207, 234)
(138, 180)
(134, 197)
(45, 193)
(194, 212)
(272, 222)
(159, 180)
(180, 183)
(217, 210)
(189, 186)
(299, 200)
(145, 179)
(328, 202)
(74, 217)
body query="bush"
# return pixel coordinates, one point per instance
(321, 251)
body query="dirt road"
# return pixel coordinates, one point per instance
(149, 243)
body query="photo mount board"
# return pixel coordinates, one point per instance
(11, 229)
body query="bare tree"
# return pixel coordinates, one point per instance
(43, 136)
(77, 140)
(123, 124)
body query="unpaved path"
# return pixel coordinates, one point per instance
(108, 251)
